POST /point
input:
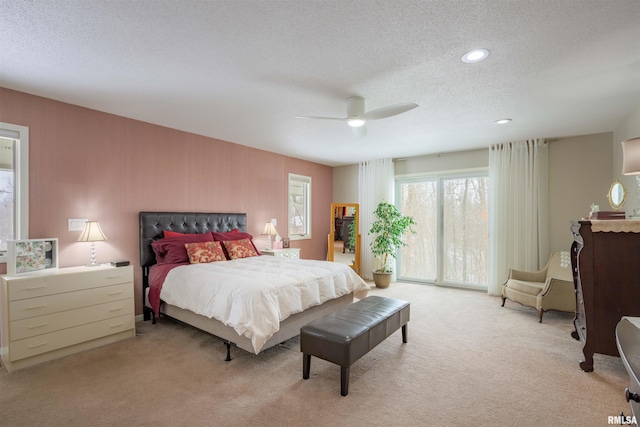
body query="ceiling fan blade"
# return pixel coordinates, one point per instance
(360, 131)
(321, 118)
(391, 110)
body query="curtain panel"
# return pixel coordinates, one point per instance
(375, 185)
(519, 209)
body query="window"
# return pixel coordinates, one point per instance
(14, 185)
(451, 243)
(299, 207)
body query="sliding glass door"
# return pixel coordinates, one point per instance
(451, 242)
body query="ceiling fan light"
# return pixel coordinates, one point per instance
(355, 123)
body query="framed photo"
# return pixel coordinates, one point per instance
(27, 256)
(285, 242)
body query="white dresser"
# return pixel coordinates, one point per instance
(54, 313)
(293, 253)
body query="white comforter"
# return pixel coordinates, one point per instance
(253, 295)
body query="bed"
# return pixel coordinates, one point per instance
(152, 228)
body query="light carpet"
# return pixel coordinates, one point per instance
(468, 362)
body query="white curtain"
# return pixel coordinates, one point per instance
(375, 186)
(519, 209)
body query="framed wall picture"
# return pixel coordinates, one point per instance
(26, 256)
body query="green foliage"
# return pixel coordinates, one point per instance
(390, 225)
(352, 234)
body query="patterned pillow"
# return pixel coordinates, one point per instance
(242, 248)
(203, 252)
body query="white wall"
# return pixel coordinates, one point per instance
(581, 169)
(628, 128)
(454, 161)
(579, 175)
(345, 184)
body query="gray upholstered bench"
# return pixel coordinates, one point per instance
(348, 334)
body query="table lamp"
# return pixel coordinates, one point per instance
(92, 233)
(269, 230)
(631, 164)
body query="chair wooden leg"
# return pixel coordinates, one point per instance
(503, 300)
(540, 313)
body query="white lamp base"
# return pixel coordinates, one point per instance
(92, 261)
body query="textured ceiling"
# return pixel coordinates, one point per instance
(241, 70)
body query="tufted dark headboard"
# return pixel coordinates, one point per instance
(152, 224)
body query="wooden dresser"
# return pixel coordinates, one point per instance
(605, 257)
(54, 313)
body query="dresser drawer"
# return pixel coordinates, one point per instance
(26, 308)
(68, 280)
(48, 342)
(39, 325)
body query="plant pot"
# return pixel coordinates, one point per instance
(382, 280)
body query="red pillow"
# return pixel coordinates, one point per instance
(169, 233)
(241, 248)
(204, 252)
(231, 235)
(171, 250)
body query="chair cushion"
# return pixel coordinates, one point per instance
(530, 288)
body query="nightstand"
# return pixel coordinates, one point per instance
(293, 253)
(53, 313)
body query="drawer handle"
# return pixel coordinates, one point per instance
(38, 345)
(629, 395)
(33, 288)
(114, 277)
(116, 309)
(39, 326)
(34, 307)
(117, 325)
(115, 293)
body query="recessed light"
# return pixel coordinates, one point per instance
(475, 55)
(502, 121)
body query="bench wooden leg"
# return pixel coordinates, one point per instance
(344, 380)
(306, 365)
(405, 333)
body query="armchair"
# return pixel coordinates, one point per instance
(551, 288)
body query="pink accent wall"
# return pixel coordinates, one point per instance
(88, 164)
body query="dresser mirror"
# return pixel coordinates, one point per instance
(344, 239)
(617, 195)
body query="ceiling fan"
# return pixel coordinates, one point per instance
(356, 116)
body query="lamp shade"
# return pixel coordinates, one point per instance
(270, 229)
(92, 232)
(631, 156)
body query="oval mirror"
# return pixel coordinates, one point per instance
(617, 195)
(344, 238)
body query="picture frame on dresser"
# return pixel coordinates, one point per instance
(30, 255)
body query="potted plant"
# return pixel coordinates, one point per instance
(390, 225)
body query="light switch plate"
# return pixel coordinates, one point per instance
(76, 224)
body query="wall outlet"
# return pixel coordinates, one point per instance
(76, 224)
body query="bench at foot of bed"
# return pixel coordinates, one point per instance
(348, 334)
